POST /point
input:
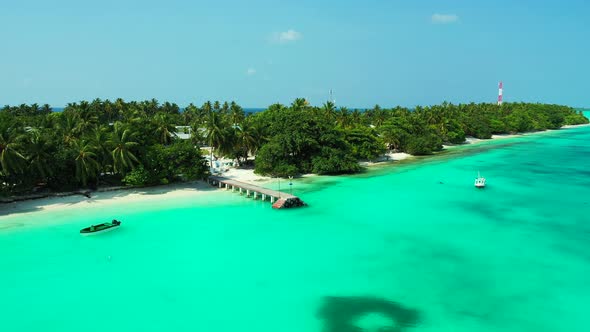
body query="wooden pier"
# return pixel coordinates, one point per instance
(278, 199)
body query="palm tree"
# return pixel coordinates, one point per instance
(299, 104)
(215, 133)
(109, 113)
(189, 114)
(151, 107)
(245, 140)
(70, 126)
(197, 133)
(122, 143)
(11, 159)
(259, 137)
(34, 109)
(329, 110)
(207, 108)
(277, 107)
(225, 107)
(46, 109)
(38, 153)
(355, 117)
(131, 115)
(164, 130)
(99, 139)
(86, 164)
(85, 124)
(170, 108)
(379, 117)
(343, 117)
(119, 106)
(237, 113)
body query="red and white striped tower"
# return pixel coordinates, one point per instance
(500, 93)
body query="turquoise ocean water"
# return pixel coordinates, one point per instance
(414, 240)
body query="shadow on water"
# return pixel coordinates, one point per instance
(160, 190)
(10, 208)
(10, 225)
(348, 314)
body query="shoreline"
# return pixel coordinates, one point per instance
(103, 199)
(195, 189)
(473, 140)
(119, 196)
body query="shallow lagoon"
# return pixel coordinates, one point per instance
(411, 245)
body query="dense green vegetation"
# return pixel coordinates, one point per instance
(91, 144)
(134, 143)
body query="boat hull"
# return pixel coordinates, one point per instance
(100, 232)
(102, 228)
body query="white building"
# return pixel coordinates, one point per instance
(183, 132)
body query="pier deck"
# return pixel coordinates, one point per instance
(278, 198)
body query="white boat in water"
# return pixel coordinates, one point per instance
(480, 181)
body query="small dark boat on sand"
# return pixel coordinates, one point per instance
(101, 228)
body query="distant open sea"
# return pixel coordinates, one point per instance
(411, 244)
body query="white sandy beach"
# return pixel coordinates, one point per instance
(245, 175)
(472, 140)
(148, 196)
(388, 157)
(99, 200)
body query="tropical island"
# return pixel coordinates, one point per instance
(115, 143)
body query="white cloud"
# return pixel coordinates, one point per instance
(251, 71)
(444, 18)
(287, 36)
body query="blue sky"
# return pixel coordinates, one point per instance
(260, 52)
